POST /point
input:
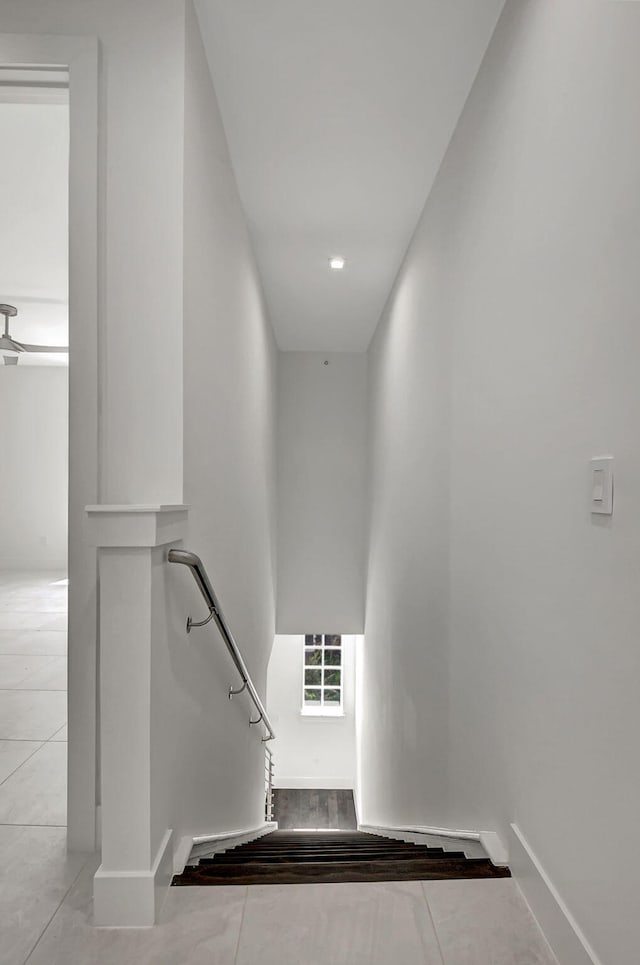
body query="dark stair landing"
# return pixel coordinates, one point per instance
(303, 808)
(290, 857)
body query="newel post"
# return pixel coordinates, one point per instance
(136, 866)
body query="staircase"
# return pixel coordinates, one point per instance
(304, 857)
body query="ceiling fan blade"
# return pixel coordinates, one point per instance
(9, 344)
(42, 348)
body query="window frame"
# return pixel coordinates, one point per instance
(323, 708)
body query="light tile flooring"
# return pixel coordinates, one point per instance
(396, 923)
(33, 752)
(45, 894)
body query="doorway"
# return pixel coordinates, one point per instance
(34, 199)
(49, 63)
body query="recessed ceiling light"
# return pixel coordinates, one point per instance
(337, 263)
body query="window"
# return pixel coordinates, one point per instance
(322, 673)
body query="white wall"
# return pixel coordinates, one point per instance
(33, 467)
(527, 254)
(321, 492)
(208, 761)
(403, 725)
(310, 751)
(34, 199)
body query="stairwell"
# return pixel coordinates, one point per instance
(305, 857)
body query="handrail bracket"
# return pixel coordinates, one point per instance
(233, 693)
(202, 623)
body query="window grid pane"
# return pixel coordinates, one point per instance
(320, 689)
(322, 670)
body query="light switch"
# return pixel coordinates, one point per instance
(602, 485)
(598, 485)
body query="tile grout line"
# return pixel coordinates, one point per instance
(244, 908)
(433, 923)
(20, 825)
(52, 739)
(43, 690)
(26, 690)
(14, 771)
(57, 909)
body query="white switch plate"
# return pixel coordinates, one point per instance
(602, 485)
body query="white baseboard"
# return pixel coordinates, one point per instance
(356, 804)
(133, 899)
(315, 783)
(423, 829)
(181, 854)
(474, 843)
(208, 844)
(495, 848)
(560, 928)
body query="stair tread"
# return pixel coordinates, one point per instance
(300, 872)
(320, 846)
(291, 859)
(301, 857)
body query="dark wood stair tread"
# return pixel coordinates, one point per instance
(354, 855)
(286, 857)
(301, 872)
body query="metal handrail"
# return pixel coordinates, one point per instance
(215, 612)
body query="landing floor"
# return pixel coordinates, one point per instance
(305, 808)
(401, 923)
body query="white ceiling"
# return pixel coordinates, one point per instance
(34, 164)
(338, 114)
